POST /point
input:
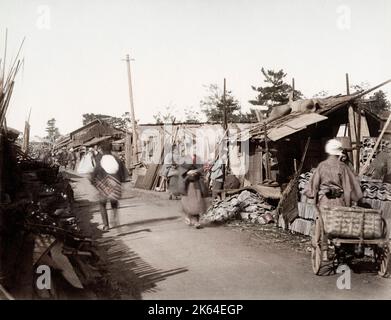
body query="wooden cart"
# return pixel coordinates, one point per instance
(338, 247)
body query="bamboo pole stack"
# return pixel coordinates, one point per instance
(7, 79)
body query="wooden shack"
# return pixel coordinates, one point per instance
(288, 134)
(91, 134)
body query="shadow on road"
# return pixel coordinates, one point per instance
(127, 275)
(146, 221)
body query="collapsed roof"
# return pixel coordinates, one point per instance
(298, 115)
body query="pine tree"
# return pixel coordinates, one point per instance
(52, 131)
(276, 92)
(213, 105)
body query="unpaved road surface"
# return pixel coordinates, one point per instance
(152, 254)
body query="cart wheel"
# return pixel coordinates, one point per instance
(316, 253)
(316, 259)
(384, 260)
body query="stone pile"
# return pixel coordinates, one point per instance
(245, 205)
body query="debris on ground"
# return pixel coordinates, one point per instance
(246, 205)
(270, 234)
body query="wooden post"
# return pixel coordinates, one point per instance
(293, 89)
(261, 154)
(26, 135)
(347, 84)
(225, 120)
(134, 132)
(353, 130)
(128, 149)
(358, 138)
(226, 131)
(268, 171)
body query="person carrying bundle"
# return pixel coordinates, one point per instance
(107, 177)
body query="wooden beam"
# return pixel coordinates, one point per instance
(353, 135)
(358, 139)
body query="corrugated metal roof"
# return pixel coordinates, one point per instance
(300, 122)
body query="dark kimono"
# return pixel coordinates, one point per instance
(193, 189)
(334, 184)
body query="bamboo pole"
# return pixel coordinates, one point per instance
(5, 56)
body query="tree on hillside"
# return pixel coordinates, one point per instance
(52, 131)
(213, 105)
(276, 92)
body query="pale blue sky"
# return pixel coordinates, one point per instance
(75, 66)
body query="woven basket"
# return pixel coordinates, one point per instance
(346, 222)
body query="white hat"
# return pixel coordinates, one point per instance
(109, 164)
(334, 147)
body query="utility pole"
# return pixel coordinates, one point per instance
(134, 133)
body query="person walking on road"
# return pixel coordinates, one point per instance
(193, 190)
(107, 177)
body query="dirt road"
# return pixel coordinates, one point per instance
(154, 255)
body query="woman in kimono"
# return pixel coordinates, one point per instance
(193, 189)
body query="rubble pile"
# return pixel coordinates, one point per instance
(245, 205)
(43, 208)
